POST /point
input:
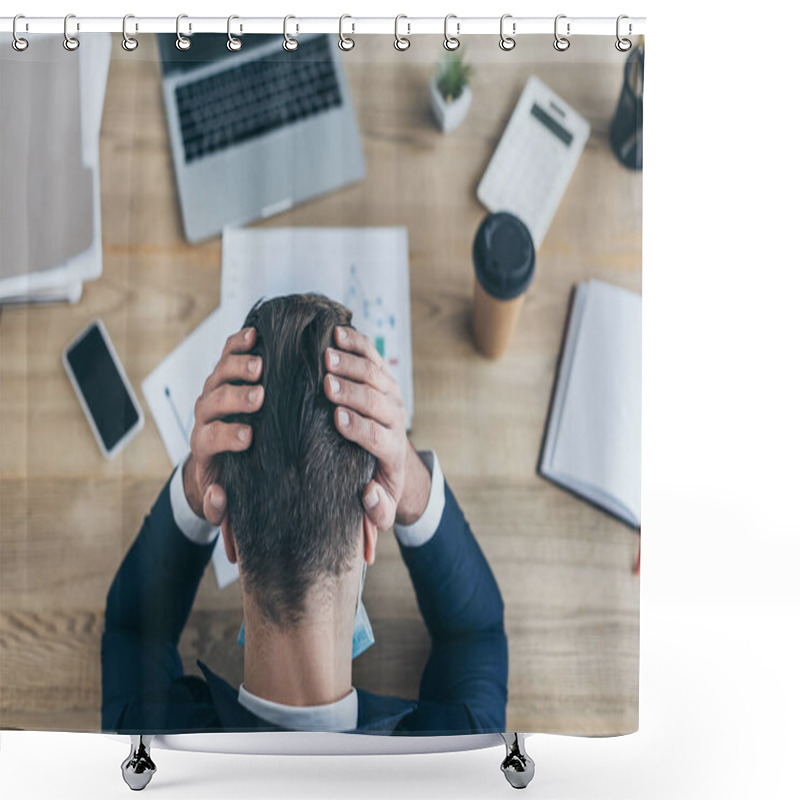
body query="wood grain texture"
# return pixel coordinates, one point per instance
(67, 516)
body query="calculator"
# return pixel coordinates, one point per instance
(535, 159)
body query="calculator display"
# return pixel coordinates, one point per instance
(556, 128)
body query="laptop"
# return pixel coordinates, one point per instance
(256, 131)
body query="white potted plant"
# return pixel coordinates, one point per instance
(450, 92)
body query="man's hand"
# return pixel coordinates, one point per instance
(370, 412)
(210, 434)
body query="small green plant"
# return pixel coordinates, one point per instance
(452, 76)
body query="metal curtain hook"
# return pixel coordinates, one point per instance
(233, 44)
(182, 42)
(401, 43)
(561, 43)
(128, 43)
(289, 43)
(70, 43)
(507, 42)
(18, 43)
(346, 42)
(451, 42)
(623, 45)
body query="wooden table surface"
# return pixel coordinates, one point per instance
(67, 516)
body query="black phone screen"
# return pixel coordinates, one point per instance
(102, 387)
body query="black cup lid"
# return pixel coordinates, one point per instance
(503, 255)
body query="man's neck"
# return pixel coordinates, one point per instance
(308, 664)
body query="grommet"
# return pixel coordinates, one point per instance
(289, 43)
(451, 43)
(401, 43)
(346, 43)
(129, 43)
(233, 44)
(70, 43)
(18, 43)
(560, 43)
(623, 44)
(182, 42)
(507, 42)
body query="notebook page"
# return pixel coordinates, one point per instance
(598, 442)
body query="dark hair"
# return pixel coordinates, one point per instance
(294, 496)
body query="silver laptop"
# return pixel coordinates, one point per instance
(257, 131)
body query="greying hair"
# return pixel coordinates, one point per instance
(294, 496)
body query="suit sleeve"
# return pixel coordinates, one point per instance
(464, 684)
(146, 609)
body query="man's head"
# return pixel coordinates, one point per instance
(294, 496)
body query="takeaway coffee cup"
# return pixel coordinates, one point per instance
(504, 257)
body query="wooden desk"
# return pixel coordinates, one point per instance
(67, 516)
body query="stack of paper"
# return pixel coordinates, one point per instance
(365, 269)
(50, 240)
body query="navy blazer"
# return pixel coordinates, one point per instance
(463, 687)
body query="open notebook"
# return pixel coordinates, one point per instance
(593, 436)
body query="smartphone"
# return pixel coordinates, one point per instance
(103, 389)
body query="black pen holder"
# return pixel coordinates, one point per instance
(626, 127)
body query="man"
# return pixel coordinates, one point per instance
(299, 453)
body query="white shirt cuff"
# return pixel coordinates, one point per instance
(419, 532)
(193, 527)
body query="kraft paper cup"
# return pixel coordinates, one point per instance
(504, 258)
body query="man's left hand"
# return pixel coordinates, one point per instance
(370, 412)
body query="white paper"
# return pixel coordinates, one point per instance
(365, 269)
(94, 57)
(171, 390)
(94, 64)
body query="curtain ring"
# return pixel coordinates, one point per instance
(507, 42)
(451, 43)
(182, 42)
(561, 43)
(346, 43)
(129, 43)
(623, 45)
(70, 43)
(401, 43)
(18, 43)
(233, 44)
(289, 44)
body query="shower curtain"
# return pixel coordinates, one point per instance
(475, 213)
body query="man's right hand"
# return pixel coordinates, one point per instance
(210, 434)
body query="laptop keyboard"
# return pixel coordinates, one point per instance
(256, 97)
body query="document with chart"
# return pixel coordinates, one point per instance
(365, 269)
